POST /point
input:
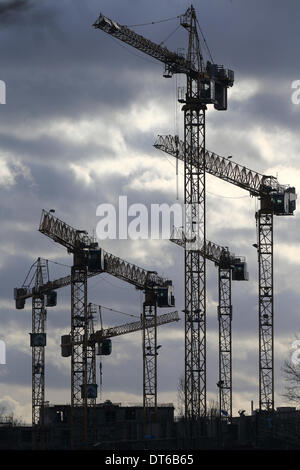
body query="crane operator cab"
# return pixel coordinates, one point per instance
(165, 297)
(213, 89)
(66, 346)
(95, 260)
(51, 299)
(19, 292)
(104, 348)
(239, 271)
(284, 203)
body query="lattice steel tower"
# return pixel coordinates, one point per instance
(79, 329)
(38, 343)
(194, 199)
(225, 335)
(264, 222)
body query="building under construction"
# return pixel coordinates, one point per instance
(118, 427)
(86, 423)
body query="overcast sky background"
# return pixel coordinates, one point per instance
(82, 114)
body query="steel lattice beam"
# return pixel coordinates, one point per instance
(225, 341)
(175, 62)
(133, 326)
(149, 322)
(38, 360)
(212, 251)
(91, 350)
(195, 266)
(264, 220)
(91, 374)
(79, 331)
(194, 200)
(223, 168)
(75, 240)
(39, 314)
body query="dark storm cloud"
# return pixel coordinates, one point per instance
(9, 7)
(61, 78)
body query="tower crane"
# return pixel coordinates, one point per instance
(230, 267)
(206, 84)
(275, 199)
(89, 260)
(37, 276)
(99, 343)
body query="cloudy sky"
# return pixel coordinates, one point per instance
(81, 115)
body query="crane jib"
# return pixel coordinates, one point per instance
(283, 197)
(93, 257)
(177, 62)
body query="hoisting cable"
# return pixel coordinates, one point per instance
(177, 196)
(117, 311)
(152, 22)
(171, 34)
(177, 152)
(59, 264)
(206, 45)
(176, 133)
(100, 316)
(28, 274)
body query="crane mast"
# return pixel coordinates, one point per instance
(194, 262)
(229, 266)
(275, 199)
(225, 336)
(264, 223)
(38, 343)
(79, 328)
